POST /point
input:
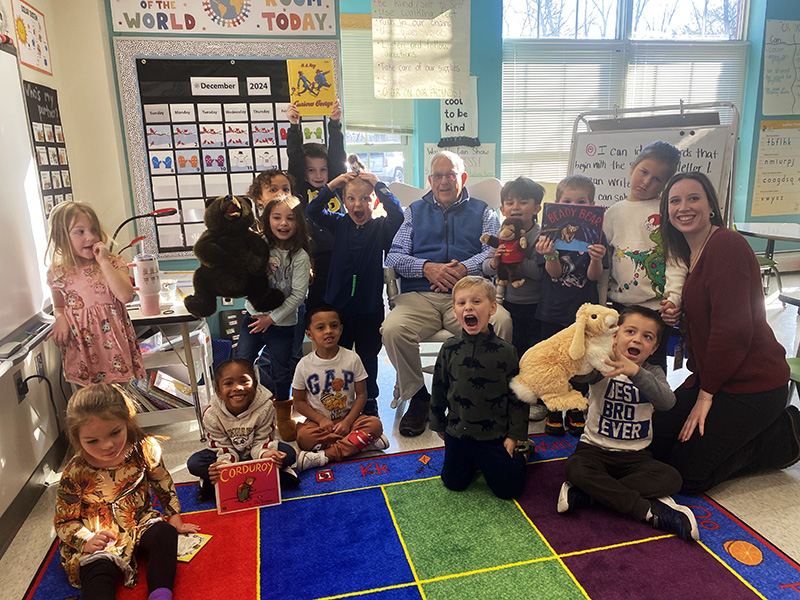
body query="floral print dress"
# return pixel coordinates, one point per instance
(102, 347)
(90, 499)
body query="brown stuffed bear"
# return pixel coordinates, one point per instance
(510, 243)
(233, 260)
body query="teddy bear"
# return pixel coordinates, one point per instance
(233, 260)
(510, 243)
(546, 368)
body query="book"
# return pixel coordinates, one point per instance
(189, 544)
(312, 85)
(573, 226)
(161, 382)
(246, 485)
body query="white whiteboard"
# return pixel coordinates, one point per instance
(606, 157)
(22, 241)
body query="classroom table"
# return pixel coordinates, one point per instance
(171, 314)
(772, 232)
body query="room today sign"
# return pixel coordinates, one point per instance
(274, 18)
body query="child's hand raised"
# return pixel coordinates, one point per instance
(341, 180)
(336, 111)
(597, 251)
(545, 246)
(177, 522)
(99, 541)
(100, 252)
(621, 365)
(293, 114)
(369, 177)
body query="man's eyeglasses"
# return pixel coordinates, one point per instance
(451, 176)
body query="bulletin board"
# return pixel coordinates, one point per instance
(202, 120)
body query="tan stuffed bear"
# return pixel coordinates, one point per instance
(545, 369)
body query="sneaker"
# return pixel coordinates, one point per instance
(205, 491)
(288, 478)
(554, 425)
(371, 408)
(523, 448)
(794, 422)
(572, 498)
(310, 460)
(575, 422)
(413, 422)
(538, 412)
(668, 515)
(382, 443)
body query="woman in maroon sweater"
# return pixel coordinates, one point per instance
(731, 415)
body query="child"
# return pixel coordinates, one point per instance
(472, 409)
(330, 392)
(639, 273)
(569, 282)
(611, 463)
(268, 185)
(104, 514)
(355, 284)
(90, 287)
(286, 232)
(239, 425)
(312, 166)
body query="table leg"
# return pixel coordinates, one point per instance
(189, 356)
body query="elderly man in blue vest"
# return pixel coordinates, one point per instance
(437, 244)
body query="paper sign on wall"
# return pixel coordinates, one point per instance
(420, 48)
(479, 160)
(34, 49)
(781, 68)
(459, 118)
(776, 189)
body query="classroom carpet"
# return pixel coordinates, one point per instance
(385, 528)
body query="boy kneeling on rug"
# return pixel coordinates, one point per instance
(483, 424)
(330, 391)
(240, 425)
(611, 464)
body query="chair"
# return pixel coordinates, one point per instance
(794, 363)
(487, 190)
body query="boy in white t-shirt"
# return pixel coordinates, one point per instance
(330, 390)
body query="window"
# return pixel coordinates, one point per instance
(382, 154)
(547, 83)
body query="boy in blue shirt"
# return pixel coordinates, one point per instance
(355, 280)
(570, 280)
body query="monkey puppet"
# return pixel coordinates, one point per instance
(510, 243)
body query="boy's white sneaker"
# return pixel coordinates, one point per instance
(310, 460)
(382, 443)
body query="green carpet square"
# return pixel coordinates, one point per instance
(547, 580)
(476, 530)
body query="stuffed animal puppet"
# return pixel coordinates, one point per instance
(233, 260)
(546, 368)
(510, 243)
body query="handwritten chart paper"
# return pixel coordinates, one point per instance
(420, 48)
(782, 68)
(775, 189)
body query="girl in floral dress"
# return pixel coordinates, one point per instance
(104, 516)
(90, 288)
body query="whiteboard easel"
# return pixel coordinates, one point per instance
(604, 146)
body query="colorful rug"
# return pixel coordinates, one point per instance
(384, 528)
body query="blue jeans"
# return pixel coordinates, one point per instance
(198, 463)
(277, 341)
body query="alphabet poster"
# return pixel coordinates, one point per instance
(776, 188)
(49, 144)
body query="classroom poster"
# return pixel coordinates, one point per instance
(479, 160)
(776, 188)
(572, 226)
(49, 144)
(209, 132)
(246, 485)
(459, 119)
(312, 85)
(781, 68)
(32, 44)
(420, 48)
(225, 17)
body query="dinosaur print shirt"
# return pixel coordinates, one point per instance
(470, 397)
(639, 273)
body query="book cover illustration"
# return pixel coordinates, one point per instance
(572, 226)
(312, 86)
(246, 485)
(189, 544)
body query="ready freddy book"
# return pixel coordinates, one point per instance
(572, 226)
(248, 484)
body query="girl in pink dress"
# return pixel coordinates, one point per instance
(90, 287)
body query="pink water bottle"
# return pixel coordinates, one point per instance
(148, 283)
